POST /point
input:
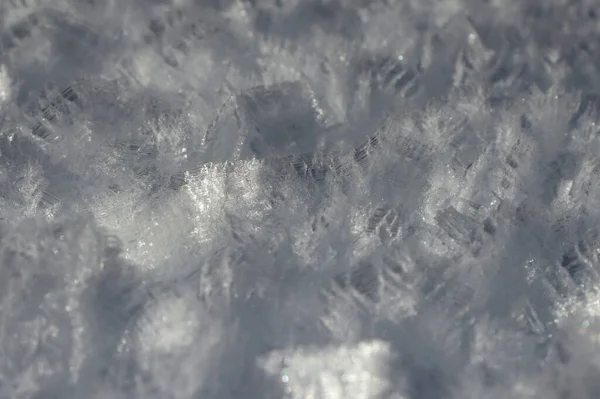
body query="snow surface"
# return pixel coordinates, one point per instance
(303, 199)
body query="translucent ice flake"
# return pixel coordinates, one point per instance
(283, 118)
(225, 134)
(265, 121)
(350, 371)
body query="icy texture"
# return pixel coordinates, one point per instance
(313, 199)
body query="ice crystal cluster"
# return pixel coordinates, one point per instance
(299, 199)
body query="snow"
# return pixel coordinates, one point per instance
(313, 199)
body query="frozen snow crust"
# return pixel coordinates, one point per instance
(302, 199)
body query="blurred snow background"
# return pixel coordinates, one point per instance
(304, 199)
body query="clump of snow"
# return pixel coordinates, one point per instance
(358, 371)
